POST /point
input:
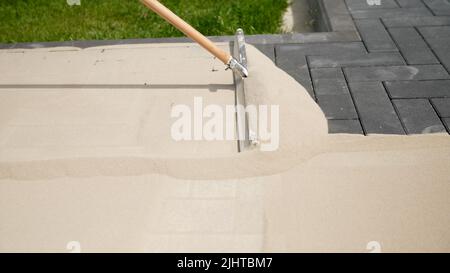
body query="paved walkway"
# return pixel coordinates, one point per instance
(394, 79)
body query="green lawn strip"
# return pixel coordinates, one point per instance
(55, 20)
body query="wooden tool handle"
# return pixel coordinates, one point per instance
(184, 27)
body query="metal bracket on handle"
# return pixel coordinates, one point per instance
(234, 65)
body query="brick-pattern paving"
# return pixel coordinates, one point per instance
(394, 81)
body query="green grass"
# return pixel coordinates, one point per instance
(55, 20)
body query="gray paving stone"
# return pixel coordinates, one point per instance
(327, 74)
(447, 123)
(387, 13)
(313, 37)
(330, 82)
(361, 5)
(337, 106)
(268, 50)
(331, 87)
(309, 87)
(418, 116)
(442, 106)
(410, 3)
(371, 59)
(285, 52)
(439, 35)
(412, 46)
(375, 109)
(299, 38)
(407, 21)
(375, 36)
(338, 16)
(348, 126)
(6, 46)
(302, 77)
(291, 60)
(332, 94)
(439, 7)
(296, 66)
(418, 89)
(334, 98)
(396, 73)
(439, 40)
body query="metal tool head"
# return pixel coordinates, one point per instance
(240, 55)
(234, 65)
(239, 61)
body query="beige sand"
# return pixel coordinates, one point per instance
(317, 192)
(66, 102)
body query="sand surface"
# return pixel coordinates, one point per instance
(67, 102)
(83, 166)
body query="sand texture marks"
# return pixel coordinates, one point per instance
(98, 102)
(317, 192)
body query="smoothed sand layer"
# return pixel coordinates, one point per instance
(317, 192)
